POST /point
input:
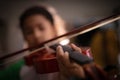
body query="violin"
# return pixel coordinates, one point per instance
(45, 62)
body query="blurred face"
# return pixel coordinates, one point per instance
(38, 29)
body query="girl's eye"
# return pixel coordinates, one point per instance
(28, 31)
(40, 27)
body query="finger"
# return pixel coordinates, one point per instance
(59, 55)
(67, 59)
(76, 48)
(63, 70)
(62, 57)
(62, 62)
(77, 70)
(60, 52)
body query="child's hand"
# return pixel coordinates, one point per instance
(67, 67)
(70, 68)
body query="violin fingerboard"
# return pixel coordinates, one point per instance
(75, 55)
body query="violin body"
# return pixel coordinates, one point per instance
(46, 62)
(43, 62)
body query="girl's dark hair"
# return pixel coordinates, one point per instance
(35, 10)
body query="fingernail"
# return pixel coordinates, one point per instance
(59, 47)
(66, 52)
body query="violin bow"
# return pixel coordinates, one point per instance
(79, 31)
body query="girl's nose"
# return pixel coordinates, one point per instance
(37, 34)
